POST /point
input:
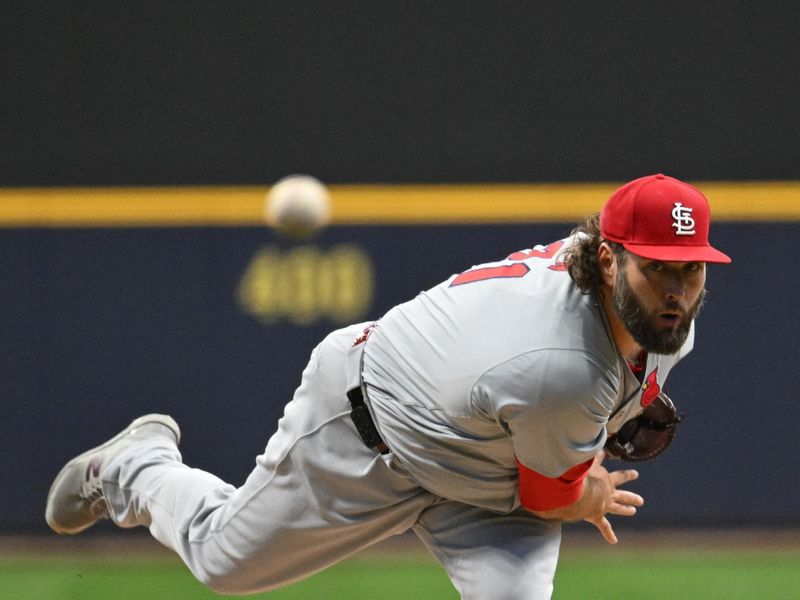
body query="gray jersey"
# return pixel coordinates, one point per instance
(507, 361)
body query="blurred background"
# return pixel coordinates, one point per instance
(139, 140)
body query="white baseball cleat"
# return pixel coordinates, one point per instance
(75, 501)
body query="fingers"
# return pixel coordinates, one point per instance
(627, 498)
(622, 510)
(604, 526)
(624, 503)
(608, 531)
(619, 478)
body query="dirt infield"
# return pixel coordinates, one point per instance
(576, 539)
(696, 539)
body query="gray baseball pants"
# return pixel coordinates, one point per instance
(318, 495)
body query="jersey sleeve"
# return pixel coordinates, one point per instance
(554, 404)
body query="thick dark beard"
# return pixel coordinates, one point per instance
(643, 327)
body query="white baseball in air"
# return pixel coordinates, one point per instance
(298, 205)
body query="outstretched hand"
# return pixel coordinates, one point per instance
(607, 498)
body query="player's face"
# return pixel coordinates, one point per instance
(657, 300)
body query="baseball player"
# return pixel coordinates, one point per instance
(475, 415)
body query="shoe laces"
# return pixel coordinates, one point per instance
(92, 490)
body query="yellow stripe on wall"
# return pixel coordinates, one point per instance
(366, 204)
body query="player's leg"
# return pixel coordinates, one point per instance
(491, 556)
(76, 500)
(296, 514)
(317, 493)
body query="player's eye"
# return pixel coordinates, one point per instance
(656, 266)
(693, 267)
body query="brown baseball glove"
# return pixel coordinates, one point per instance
(646, 435)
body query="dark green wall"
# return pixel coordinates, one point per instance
(182, 92)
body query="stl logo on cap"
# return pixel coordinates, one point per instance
(660, 218)
(684, 223)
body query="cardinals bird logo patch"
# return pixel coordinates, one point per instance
(650, 388)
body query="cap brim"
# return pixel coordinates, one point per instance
(679, 253)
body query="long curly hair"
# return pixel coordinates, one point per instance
(581, 258)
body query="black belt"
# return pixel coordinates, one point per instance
(364, 423)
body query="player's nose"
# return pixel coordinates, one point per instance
(673, 287)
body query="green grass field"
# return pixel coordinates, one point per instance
(675, 572)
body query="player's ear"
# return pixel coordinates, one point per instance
(607, 261)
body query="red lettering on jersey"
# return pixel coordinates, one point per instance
(650, 388)
(515, 270)
(549, 252)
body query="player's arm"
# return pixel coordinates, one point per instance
(558, 430)
(586, 492)
(556, 415)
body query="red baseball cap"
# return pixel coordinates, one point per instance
(661, 218)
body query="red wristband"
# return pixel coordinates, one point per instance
(537, 492)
